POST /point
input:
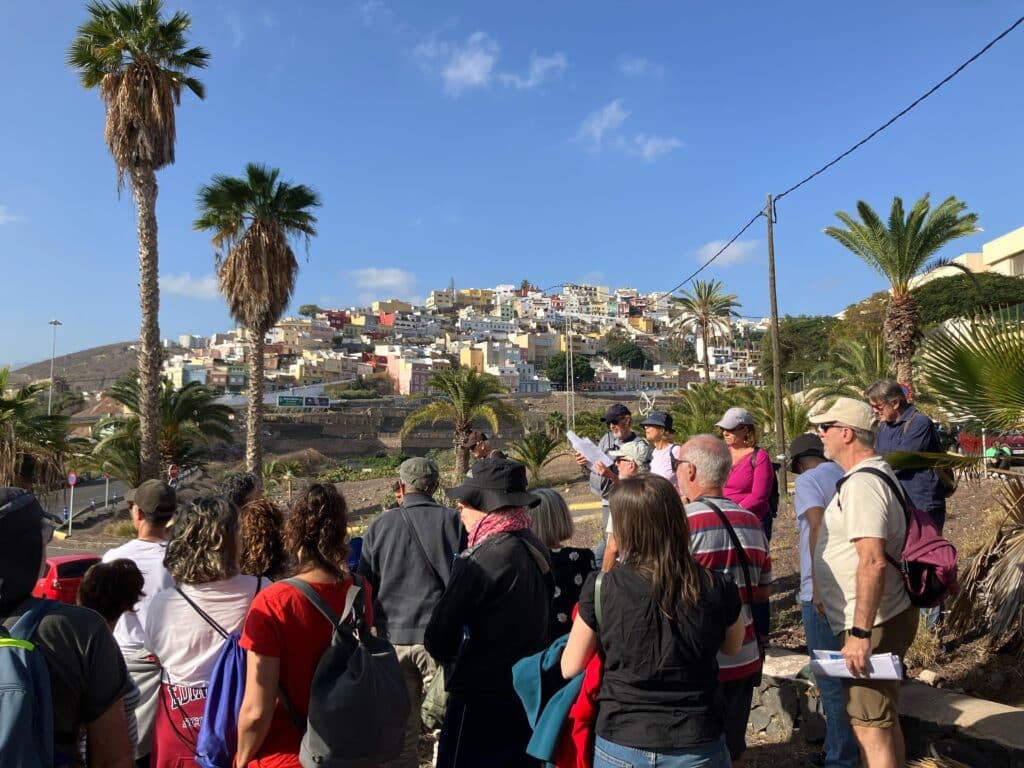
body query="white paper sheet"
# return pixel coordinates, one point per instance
(586, 447)
(882, 666)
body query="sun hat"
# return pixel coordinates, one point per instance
(736, 417)
(849, 413)
(419, 473)
(807, 444)
(615, 412)
(638, 451)
(493, 484)
(658, 419)
(155, 498)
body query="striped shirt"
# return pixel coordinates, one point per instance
(712, 547)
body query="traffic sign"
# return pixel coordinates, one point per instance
(72, 479)
(290, 401)
(172, 471)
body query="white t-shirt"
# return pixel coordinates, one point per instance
(865, 507)
(130, 631)
(180, 638)
(661, 463)
(814, 488)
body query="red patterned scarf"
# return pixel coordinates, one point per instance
(505, 521)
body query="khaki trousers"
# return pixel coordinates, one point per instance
(419, 669)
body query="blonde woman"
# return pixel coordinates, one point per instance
(551, 522)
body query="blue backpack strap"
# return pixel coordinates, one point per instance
(28, 622)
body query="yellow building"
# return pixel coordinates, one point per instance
(391, 306)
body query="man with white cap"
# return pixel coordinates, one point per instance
(862, 595)
(630, 458)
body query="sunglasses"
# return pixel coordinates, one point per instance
(823, 428)
(677, 462)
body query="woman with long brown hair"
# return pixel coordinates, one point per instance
(661, 621)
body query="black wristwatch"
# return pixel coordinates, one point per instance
(860, 634)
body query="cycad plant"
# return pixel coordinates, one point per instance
(708, 311)
(461, 396)
(899, 251)
(535, 451)
(141, 62)
(254, 220)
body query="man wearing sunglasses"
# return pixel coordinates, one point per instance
(863, 596)
(602, 478)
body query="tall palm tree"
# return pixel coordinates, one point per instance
(141, 62)
(32, 444)
(190, 420)
(462, 396)
(900, 251)
(535, 450)
(706, 310)
(254, 220)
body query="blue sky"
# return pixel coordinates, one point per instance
(612, 143)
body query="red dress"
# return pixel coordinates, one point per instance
(282, 623)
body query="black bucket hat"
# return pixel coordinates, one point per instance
(495, 483)
(658, 419)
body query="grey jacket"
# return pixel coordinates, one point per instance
(601, 486)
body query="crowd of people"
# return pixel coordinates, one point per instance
(672, 601)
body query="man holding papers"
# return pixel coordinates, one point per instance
(861, 595)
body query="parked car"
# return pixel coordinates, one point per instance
(62, 576)
(1015, 442)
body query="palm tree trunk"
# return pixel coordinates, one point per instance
(461, 452)
(707, 357)
(254, 414)
(902, 319)
(145, 188)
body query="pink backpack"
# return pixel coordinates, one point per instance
(928, 561)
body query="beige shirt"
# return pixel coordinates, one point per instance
(865, 507)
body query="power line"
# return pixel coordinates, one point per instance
(902, 112)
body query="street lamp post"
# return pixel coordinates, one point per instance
(53, 353)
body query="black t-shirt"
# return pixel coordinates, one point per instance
(571, 566)
(660, 684)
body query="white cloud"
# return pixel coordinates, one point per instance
(601, 122)
(203, 287)
(373, 11)
(638, 66)
(739, 252)
(234, 22)
(472, 63)
(6, 217)
(268, 19)
(540, 68)
(650, 148)
(383, 283)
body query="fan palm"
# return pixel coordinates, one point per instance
(32, 444)
(462, 395)
(536, 450)
(141, 62)
(190, 419)
(253, 220)
(899, 252)
(556, 425)
(708, 310)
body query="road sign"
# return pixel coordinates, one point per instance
(317, 402)
(290, 401)
(172, 472)
(72, 479)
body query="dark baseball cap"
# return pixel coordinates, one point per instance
(419, 473)
(615, 412)
(477, 436)
(155, 498)
(805, 445)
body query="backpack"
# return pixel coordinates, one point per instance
(26, 712)
(773, 496)
(358, 701)
(928, 562)
(218, 735)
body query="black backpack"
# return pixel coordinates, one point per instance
(773, 497)
(358, 701)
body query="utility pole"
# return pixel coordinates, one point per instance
(780, 431)
(53, 353)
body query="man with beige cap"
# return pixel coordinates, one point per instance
(630, 458)
(860, 593)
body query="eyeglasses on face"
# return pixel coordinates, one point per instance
(823, 428)
(677, 462)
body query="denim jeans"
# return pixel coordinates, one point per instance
(610, 755)
(840, 746)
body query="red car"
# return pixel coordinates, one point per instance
(63, 575)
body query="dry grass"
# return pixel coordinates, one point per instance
(925, 648)
(119, 529)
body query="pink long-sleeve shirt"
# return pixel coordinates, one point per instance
(750, 486)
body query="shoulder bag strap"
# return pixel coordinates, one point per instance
(203, 614)
(321, 605)
(899, 495)
(597, 598)
(419, 544)
(753, 458)
(27, 624)
(744, 561)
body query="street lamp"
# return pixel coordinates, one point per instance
(53, 352)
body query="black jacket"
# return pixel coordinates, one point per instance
(500, 592)
(407, 586)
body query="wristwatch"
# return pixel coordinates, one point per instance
(860, 634)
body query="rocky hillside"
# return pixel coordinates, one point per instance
(90, 370)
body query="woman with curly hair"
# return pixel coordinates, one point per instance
(185, 626)
(263, 553)
(285, 635)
